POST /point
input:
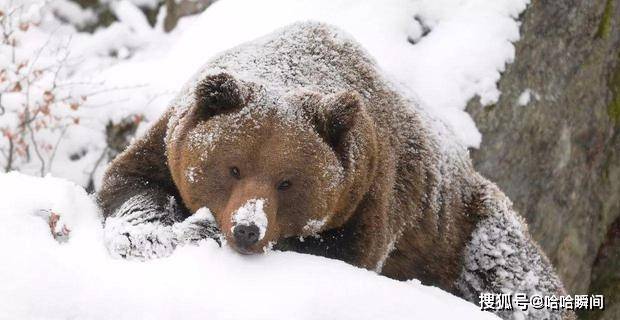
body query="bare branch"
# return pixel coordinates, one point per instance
(9, 156)
(51, 158)
(2, 109)
(91, 175)
(28, 125)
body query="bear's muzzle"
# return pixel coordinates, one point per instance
(249, 218)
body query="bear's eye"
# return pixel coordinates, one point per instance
(234, 171)
(284, 185)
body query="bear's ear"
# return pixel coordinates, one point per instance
(343, 122)
(219, 93)
(340, 119)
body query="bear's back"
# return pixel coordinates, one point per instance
(311, 55)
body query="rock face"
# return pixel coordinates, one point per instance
(552, 141)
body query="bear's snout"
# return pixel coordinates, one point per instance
(248, 228)
(246, 235)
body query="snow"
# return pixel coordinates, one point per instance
(251, 213)
(192, 174)
(526, 96)
(314, 225)
(72, 12)
(77, 279)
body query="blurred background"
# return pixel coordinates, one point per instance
(532, 88)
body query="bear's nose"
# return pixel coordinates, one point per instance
(246, 235)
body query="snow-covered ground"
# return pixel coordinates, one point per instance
(443, 51)
(44, 279)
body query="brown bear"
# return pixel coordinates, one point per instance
(297, 141)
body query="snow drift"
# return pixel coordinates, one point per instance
(44, 279)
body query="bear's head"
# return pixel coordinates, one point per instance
(271, 166)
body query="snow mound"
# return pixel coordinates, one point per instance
(44, 279)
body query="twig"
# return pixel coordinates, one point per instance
(9, 157)
(51, 159)
(91, 175)
(38, 54)
(2, 109)
(29, 127)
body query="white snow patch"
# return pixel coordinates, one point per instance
(315, 225)
(526, 96)
(336, 174)
(251, 213)
(131, 15)
(72, 12)
(78, 279)
(191, 174)
(204, 214)
(391, 246)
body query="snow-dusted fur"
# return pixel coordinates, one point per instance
(501, 258)
(410, 203)
(139, 229)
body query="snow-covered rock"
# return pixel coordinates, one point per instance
(77, 279)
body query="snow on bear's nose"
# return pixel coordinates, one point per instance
(249, 223)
